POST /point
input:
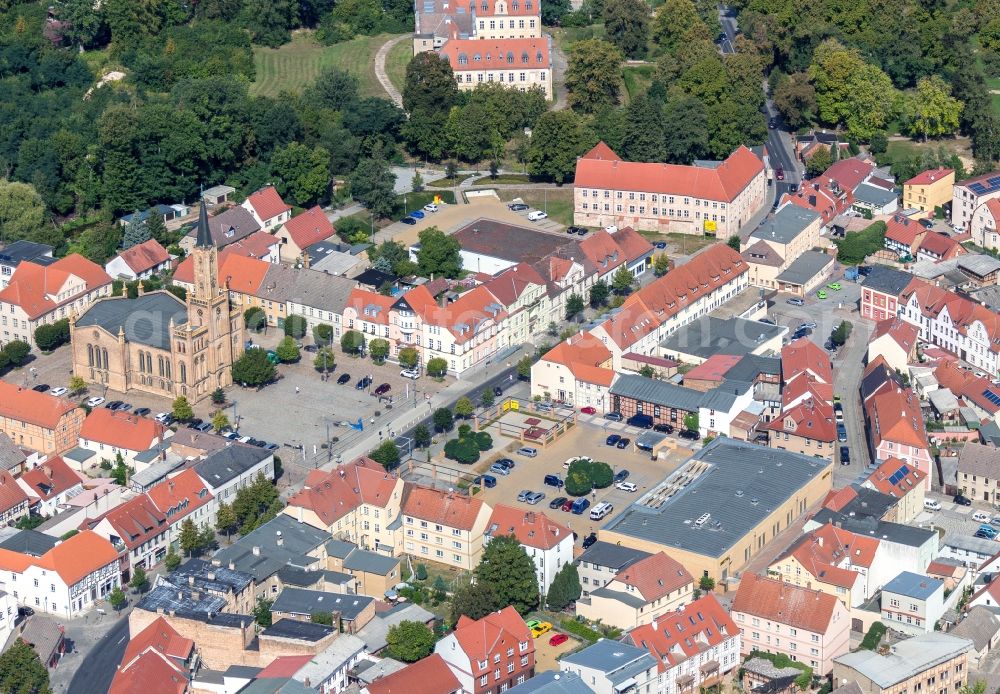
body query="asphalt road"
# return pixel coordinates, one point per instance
(98, 668)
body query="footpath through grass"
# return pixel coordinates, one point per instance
(296, 65)
(399, 57)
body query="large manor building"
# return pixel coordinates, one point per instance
(157, 343)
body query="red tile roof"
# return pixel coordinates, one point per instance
(804, 356)
(463, 318)
(677, 636)
(240, 273)
(879, 479)
(178, 496)
(162, 638)
(332, 495)
(51, 478)
(830, 553)
(267, 203)
(437, 506)
(714, 368)
(73, 559)
(895, 416)
(149, 673)
(903, 230)
(941, 245)
(362, 299)
(811, 419)
(256, 245)
(929, 176)
(24, 405)
(784, 603)
(494, 633)
(723, 183)
(135, 522)
(497, 54)
(899, 331)
(820, 198)
(601, 151)
(849, 173)
(310, 227)
(430, 675)
(837, 499)
(965, 384)
(655, 576)
(487, 8)
(284, 666)
(121, 429)
(586, 357)
(145, 256)
(11, 493)
(36, 289)
(531, 528)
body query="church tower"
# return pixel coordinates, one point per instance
(205, 257)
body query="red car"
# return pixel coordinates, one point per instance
(558, 639)
(568, 506)
(588, 410)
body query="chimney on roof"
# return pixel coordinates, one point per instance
(191, 580)
(256, 551)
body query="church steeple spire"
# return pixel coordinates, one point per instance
(204, 239)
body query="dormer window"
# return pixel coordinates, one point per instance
(463, 59)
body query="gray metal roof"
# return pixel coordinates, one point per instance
(303, 601)
(375, 633)
(197, 573)
(11, 454)
(785, 225)
(709, 335)
(340, 548)
(144, 319)
(913, 585)
(979, 263)
(294, 629)
(874, 195)
(805, 267)
(980, 625)
(318, 289)
(277, 685)
(854, 520)
(16, 252)
(552, 682)
(742, 485)
(907, 659)
(144, 479)
(630, 599)
(168, 597)
(657, 392)
(79, 455)
(297, 540)
(30, 542)
(618, 661)
(226, 464)
(614, 556)
(887, 280)
(753, 365)
(370, 562)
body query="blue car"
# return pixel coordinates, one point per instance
(416, 214)
(408, 220)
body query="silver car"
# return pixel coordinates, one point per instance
(535, 497)
(525, 493)
(527, 451)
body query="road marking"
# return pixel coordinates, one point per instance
(121, 639)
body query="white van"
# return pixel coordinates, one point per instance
(536, 216)
(601, 510)
(931, 505)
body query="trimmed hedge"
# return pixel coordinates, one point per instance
(579, 629)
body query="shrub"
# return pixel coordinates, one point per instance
(579, 629)
(874, 636)
(601, 475)
(295, 326)
(484, 440)
(323, 334)
(578, 478)
(462, 450)
(421, 572)
(437, 367)
(254, 318)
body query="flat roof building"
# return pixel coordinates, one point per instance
(909, 662)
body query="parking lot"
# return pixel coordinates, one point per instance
(585, 439)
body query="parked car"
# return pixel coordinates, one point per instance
(363, 383)
(499, 469)
(205, 426)
(602, 510)
(589, 540)
(383, 389)
(558, 639)
(59, 391)
(164, 418)
(841, 432)
(981, 517)
(932, 505)
(417, 214)
(141, 411)
(663, 428)
(779, 174)
(575, 230)
(845, 455)
(42, 388)
(621, 475)
(612, 439)
(611, 228)
(507, 463)
(690, 435)
(579, 506)
(231, 435)
(558, 502)
(962, 500)
(488, 481)
(408, 220)
(838, 411)
(623, 443)
(821, 294)
(642, 421)
(539, 628)
(527, 451)
(985, 536)
(534, 498)
(113, 405)
(410, 373)
(613, 416)
(94, 401)
(523, 496)
(431, 207)
(271, 447)
(795, 301)
(835, 286)
(660, 245)
(808, 324)
(588, 410)
(517, 207)
(344, 378)
(554, 481)
(497, 391)
(627, 486)
(536, 216)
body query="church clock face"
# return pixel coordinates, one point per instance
(200, 313)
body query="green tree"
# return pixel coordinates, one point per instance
(559, 138)
(647, 371)
(430, 84)
(225, 519)
(22, 672)
(574, 306)
(691, 421)
(734, 242)
(599, 292)
(255, 319)
(324, 359)
(626, 23)
(324, 618)
(421, 436)
(181, 409)
(171, 561)
(77, 385)
(487, 398)
(117, 599)
(295, 326)
(643, 138)
(253, 369)
(409, 641)
(565, 588)
(661, 264)
(672, 20)
(352, 342)
(218, 396)
(553, 11)
(439, 254)
(323, 334)
(16, 352)
(443, 419)
(408, 357)
(220, 421)
(372, 184)
(262, 612)
(593, 75)
(379, 350)
(795, 99)
(287, 350)
(155, 226)
(301, 173)
(464, 407)
(437, 367)
(387, 454)
(931, 110)
(135, 232)
(524, 365)
(417, 184)
(706, 583)
(818, 162)
(190, 538)
(508, 569)
(21, 211)
(51, 335)
(622, 280)
(685, 128)
(257, 504)
(475, 601)
(139, 580)
(82, 22)
(393, 255)
(841, 333)
(121, 472)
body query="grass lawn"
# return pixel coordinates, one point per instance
(637, 79)
(415, 201)
(295, 65)
(564, 37)
(397, 60)
(507, 179)
(449, 182)
(685, 244)
(556, 202)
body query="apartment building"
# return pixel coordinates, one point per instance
(517, 63)
(778, 242)
(110, 433)
(808, 427)
(608, 667)
(932, 662)
(906, 484)
(489, 655)
(896, 341)
(547, 542)
(985, 225)
(969, 194)
(180, 498)
(506, 19)
(882, 291)
(668, 198)
(39, 421)
(267, 208)
(978, 473)
(897, 429)
(806, 625)
(576, 371)
(602, 561)
(138, 529)
(50, 485)
(445, 527)
(929, 189)
(43, 294)
(913, 603)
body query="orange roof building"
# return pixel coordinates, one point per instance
(156, 661)
(182, 496)
(50, 484)
(896, 341)
(430, 675)
(140, 261)
(52, 582)
(901, 481)
(139, 526)
(547, 541)
(445, 526)
(530, 60)
(779, 617)
(14, 501)
(897, 429)
(929, 190)
(38, 294)
(577, 371)
(267, 208)
(500, 640)
(668, 197)
(807, 427)
(110, 432)
(304, 230)
(39, 421)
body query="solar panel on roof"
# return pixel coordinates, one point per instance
(994, 181)
(992, 397)
(977, 188)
